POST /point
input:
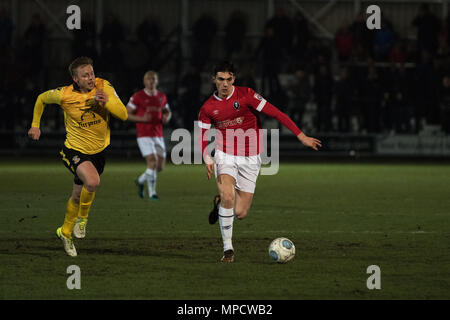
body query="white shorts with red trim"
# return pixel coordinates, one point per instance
(152, 145)
(244, 170)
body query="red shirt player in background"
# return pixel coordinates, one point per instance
(150, 110)
(234, 113)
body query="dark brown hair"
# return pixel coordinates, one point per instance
(224, 66)
(78, 62)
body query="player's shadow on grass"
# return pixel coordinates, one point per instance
(144, 252)
(119, 247)
(178, 248)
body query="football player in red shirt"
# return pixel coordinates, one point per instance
(234, 112)
(150, 110)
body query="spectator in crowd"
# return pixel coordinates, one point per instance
(33, 50)
(359, 54)
(398, 53)
(83, 44)
(443, 50)
(6, 29)
(111, 36)
(301, 93)
(13, 71)
(204, 31)
(396, 99)
(190, 97)
(443, 32)
(344, 92)
(445, 104)
(149, 34)
(363, 37)
(323, 94)
(428, 26)
(246, 78)
(283, 30)
(447, 24)
(384, 41)
(426, 86)
(269, 48)
(12, 85)
(235, 31)
(371, 98)
(137, 54)
(302, 36)
(344, 42)
(320, 54)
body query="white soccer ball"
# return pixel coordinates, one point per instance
(281, 250)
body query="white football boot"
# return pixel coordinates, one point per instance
(67, 243)
(79, 230)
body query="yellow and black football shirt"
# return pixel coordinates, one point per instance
(86, 121)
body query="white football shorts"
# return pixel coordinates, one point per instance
(152, 145)
(243, 169)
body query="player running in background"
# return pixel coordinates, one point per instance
(234, 113)
(87, 104)
(150, 110)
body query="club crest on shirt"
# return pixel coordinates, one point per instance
(87, 112)
(236, 105)
(76, 159)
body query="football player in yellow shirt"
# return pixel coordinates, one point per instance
(87, 104)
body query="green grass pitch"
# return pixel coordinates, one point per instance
(341, 217)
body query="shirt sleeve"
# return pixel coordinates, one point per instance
(166, 104)
(114, 104)
(204, 122)
(48, 97)
(260, 104)
(255, 100)
(132, 103)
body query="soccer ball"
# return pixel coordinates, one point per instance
(281, 250)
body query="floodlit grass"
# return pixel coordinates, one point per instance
(341, 217)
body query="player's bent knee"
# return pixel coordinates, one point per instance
(241, 214)
(151, 161)
(92, 185)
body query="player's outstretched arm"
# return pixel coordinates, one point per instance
(48, 97)
(260, 104)
(309, 141)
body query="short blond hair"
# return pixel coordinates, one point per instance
(152, 73)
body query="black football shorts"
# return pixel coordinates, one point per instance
(73, 158)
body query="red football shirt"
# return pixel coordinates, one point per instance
(144, 103)
(237, 121)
